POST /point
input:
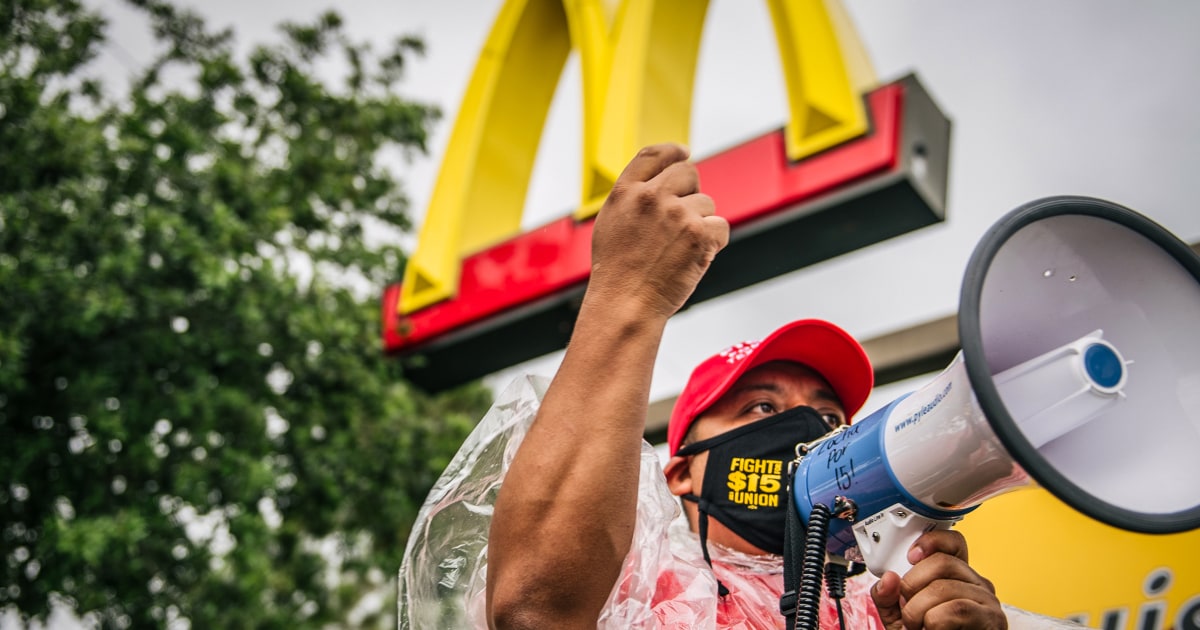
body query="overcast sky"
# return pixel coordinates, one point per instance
(1091, 97)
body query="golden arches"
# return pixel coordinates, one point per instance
(638, 60)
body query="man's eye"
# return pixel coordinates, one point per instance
(832, 419)
(763, 407)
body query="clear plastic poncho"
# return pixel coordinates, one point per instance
(442, 578)
(665, 582)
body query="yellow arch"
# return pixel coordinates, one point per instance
(826, 71)
(638, 60)
(481, 186)
(642, 94)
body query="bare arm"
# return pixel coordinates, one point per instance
(564, 518)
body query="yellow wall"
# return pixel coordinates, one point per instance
(1047, 558)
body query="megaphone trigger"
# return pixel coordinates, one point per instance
(885, 538)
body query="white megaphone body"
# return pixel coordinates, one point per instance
(1080, 372)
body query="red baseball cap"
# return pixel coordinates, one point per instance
(827, 349)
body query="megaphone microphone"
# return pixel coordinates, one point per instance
(1079, 372)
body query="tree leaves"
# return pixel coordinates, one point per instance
(196, 422)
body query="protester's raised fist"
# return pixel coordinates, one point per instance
(656, 234)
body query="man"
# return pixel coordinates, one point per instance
(801, 381)
(557, 549)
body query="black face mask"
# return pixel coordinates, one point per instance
(745, 478)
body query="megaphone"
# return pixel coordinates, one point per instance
(1079, 321)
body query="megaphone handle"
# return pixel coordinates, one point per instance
(885, 538)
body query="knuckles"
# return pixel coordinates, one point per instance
(936, 568)
(619, 191)
(987, 584)
(949, 603)
(963, 613)
(649, 196)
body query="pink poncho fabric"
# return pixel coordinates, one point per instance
(667, 585)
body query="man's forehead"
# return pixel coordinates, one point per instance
(778, 376)
(774, 371)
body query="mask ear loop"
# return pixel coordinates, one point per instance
(722, 590)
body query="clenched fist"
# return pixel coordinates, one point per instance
(656, 234)
(940, 592)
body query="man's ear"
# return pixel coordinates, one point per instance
(678, 472)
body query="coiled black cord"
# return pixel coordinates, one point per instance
(808, 605)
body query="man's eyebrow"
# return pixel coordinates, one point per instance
(765, 386)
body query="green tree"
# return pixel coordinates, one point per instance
(196, 422)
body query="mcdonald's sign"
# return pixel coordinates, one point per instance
(856, 163)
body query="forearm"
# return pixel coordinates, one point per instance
(565, 515)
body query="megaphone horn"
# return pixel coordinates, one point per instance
(1080, 371)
